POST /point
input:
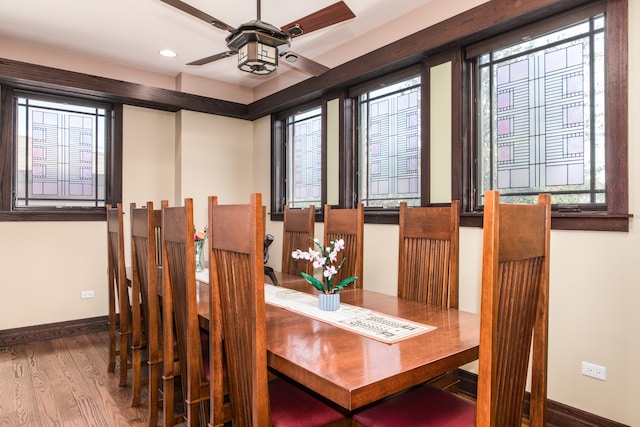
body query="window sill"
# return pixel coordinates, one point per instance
(592, 221)
(93, 215)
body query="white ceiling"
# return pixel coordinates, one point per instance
(130, 32)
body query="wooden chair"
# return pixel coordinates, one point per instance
(237, 286)
(179, 307)
(146, 256)
(348, 224)
(298, 229)
(428, 264)
(514, 322)
(428, 254)
(119, 304)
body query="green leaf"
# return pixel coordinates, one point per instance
(344, 283)
(313, 281)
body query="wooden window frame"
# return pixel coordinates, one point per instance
(354, 110)
(113, 171)
(279, 156)
(616, 217)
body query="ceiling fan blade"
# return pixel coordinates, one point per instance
(187, 8)
(304, 64)
(330, 15)
(212, 58)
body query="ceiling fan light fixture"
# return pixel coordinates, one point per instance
(258, 58)
(258, 45)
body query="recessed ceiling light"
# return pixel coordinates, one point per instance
(167, 53)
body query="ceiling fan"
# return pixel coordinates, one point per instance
(259, 44)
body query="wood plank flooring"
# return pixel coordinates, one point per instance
(64, 382)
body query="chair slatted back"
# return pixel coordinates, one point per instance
(298, 230)
(348, 224)
(145, 281)
(119, 304)
(514, 310)
(179, 273)
(237, 286)
(428, 266)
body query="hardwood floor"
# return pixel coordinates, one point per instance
(64, 382)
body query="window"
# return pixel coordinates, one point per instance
(304, 158)
(389, 140)
(577, 152)
(565, 131)
(65, 156)
(541, 117)
(60, 153)
(298, 158)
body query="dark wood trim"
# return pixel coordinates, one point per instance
(113, 186)
(78, 215)
(442, 39)
(279, 155)
(114, 163)
(616, 216)
(565, 221)
(617, 76)
(6, 148)
(475, 24)
(41, 78)
(9, 337)
(425, 130)
(323, 152)
(558, 414)
(278, 167)
(348, 168)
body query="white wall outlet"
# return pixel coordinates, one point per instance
(595, 371)
(86, 294)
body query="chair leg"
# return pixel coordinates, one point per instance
(136, 368)
(168, 400)
(112, 346)
(193, 414)
(124, 365)
(154, 375)
(113, 332)
(197, 414)
(204, 413)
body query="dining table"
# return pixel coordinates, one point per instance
(354, 370)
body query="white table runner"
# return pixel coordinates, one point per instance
(381, 327)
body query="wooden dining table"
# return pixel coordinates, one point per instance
(353, 370)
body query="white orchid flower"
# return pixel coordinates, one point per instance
(319, 262)
(330, 271)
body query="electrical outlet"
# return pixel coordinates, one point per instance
(595, 371)
(86, 294)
